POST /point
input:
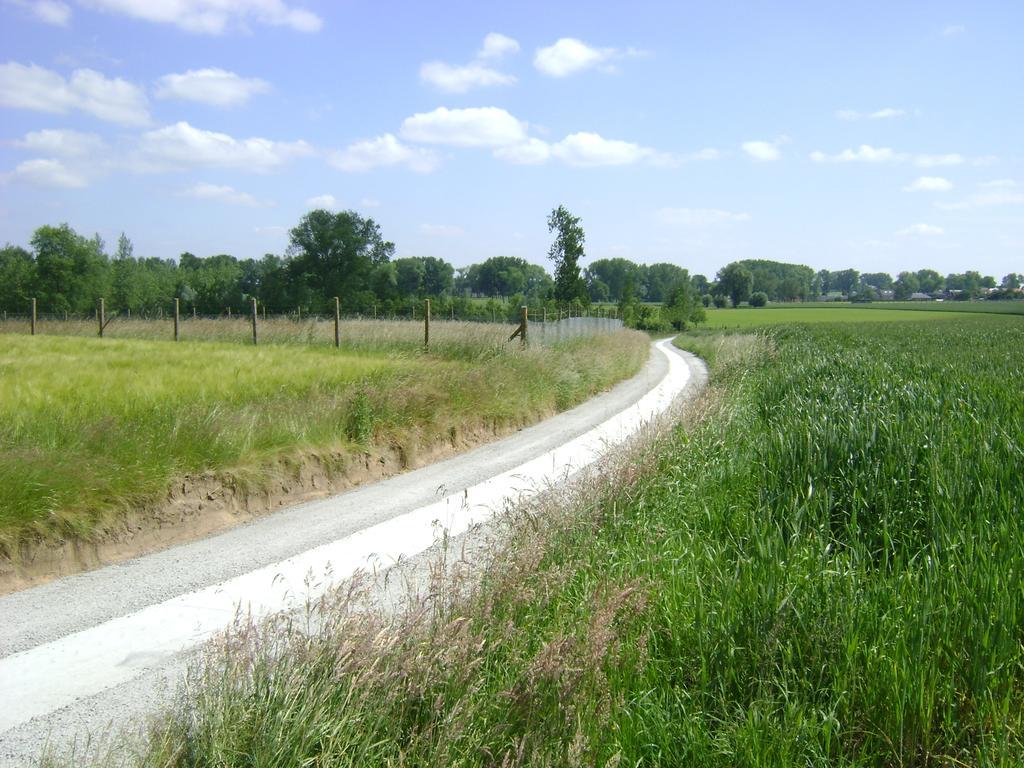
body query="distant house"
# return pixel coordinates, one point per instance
(887, 295)
(918, 296)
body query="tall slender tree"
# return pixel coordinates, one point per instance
(566, 251)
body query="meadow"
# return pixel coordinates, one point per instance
(820, 564)
(750, 317)
(91, 429)
(832, 312)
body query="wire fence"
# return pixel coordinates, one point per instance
(542, 326)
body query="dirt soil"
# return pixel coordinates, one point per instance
(205, 504)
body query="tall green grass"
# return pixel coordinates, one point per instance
(748, 317)
(93, 428)
(821, 566)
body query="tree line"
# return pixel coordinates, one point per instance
(329, 254)
(344, 254)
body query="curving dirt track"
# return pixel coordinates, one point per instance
(104, 647)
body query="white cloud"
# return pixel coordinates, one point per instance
(887, 112)
(921, 230)
(221, 194)
(954, 30)
(569, 56)
(63, 143)
(994, 193)
(213, 17)
(476, 74)
(183, 146)
(327, 202)
(473, 127)
(999, 184)
(441, 230)
(40, 89)
(762, 151)
(46, 172)
(699, 217)
(497, 46)
(461, 79)
(216, 87)
(369, 202)
(383, 151)
(863, 154)
(585, 149)
(929, 184)
(530, 152)
(932, 161)
(47, 11)
(881, 114)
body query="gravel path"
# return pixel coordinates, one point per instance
(106, 647)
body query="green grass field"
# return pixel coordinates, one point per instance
(91, 428)
(748, 317)
(1015, 307)
(821, 567)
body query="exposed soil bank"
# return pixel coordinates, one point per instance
(200, 505)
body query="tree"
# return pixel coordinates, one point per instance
(566, 251)
(906, 284)
(736, 282)
(334, 254)
(845, 281)
(438, 276)
(683, 306)
(72, 270)
(613, 273)
(758, 299)
(929, 281)
(1011, 282)
(879, 280)
(17, 278)
(125, 249)
(409, 274)
(661, 278)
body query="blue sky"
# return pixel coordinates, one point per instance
(877, 135)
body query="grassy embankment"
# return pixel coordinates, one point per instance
(824, 568)
(90, 428)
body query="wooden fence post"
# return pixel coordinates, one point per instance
(101, 315)
(337, 322)
(33, 317)
(254, 316)
(177, 317)
(426, 323)
(524, 322)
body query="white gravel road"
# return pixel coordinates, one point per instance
(106, 646)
